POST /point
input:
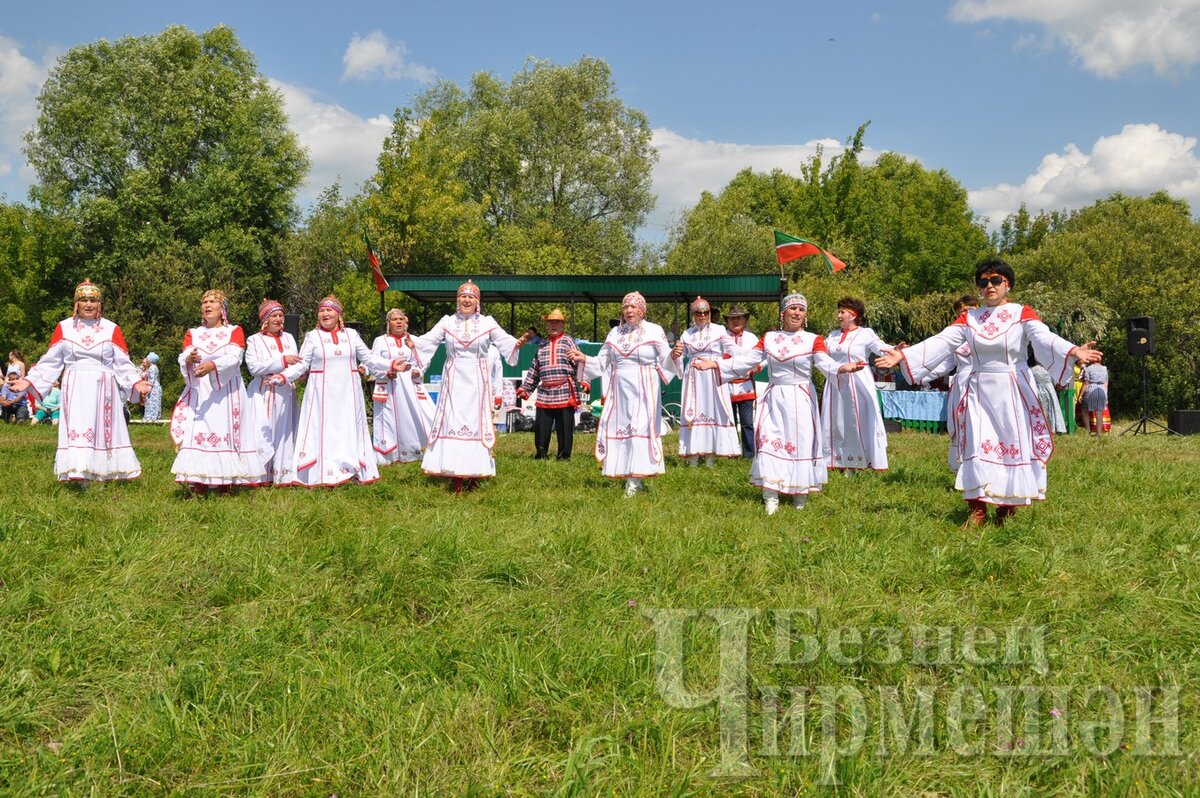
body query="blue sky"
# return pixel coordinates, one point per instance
(1054, 103)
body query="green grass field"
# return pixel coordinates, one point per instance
(394, 639)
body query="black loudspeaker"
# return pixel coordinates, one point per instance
(1185, 422)
(1140, 335)
(291, 325)
(357, 326)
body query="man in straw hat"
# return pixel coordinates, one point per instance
(552, 375)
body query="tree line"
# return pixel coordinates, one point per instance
(165, 165)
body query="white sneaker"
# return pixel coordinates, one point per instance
(799, 500)
(631, 488)
(772, 505)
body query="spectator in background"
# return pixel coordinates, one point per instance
(1094, 397)
(15, 358)
(48, 407)
(152, 402)
(14, 407)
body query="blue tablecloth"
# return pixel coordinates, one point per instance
(913, 405)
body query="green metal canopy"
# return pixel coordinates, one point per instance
(594, 288)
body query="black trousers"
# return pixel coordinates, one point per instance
(561, 419)
(743, 415)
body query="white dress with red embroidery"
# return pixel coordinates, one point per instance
(1003, 435)
(97, 377)
(706, 425)
(333, 440)
(851, 421)
(743, 390)
(275, 406)
(462, 434)
(213, 424)
(956, 367)
(401, 421)
(635, 363)
(788, 455)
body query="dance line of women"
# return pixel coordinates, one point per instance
(229, 436)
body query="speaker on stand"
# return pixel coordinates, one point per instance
(1139, 340)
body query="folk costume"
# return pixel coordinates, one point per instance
(706, 427)
(213, 424)
(402, 412)
(552, 375)
(788, 452)
(1003, 434)
(636, 362)
(956, 367)
(743, 393)
(97, 377)
(333, 440)
(463, 434)
(851, 420)
(275, 405)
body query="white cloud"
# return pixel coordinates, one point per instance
(375, 55)
(686, 167)
(1107, 36)
(341, 145)
(1139, 160)
(21, 79)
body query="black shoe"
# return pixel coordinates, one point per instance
(563, 457)
(541, 456)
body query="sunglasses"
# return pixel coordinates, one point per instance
(996, 280)
(701, 312)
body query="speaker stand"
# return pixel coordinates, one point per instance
(1142, 425)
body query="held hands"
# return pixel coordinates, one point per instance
(194, 357)
(576, 357)
(399, 365)
(889, 359)
(206, 367)
(702, 363)
(853, 365)
(275, 379)
(1086, 354)
(291, 360)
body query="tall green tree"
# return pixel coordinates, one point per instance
(171, 158)
(907, 228)
(34, 292)
(549, 172)
(1139, 257)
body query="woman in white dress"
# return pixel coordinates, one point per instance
(97, 376)
(1006, 441)
(851, 421)
(270, 351)
(956, 368)
(635, 361)
(706, 427)
(333, 441)
(463, 434)
(402, 412)
(788, 456)
(213, 424)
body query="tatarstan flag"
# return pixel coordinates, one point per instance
(789, 248)
(381, 283)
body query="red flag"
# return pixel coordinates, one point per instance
(381, 283)
(789, 248)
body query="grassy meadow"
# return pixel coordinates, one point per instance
(395, 639)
